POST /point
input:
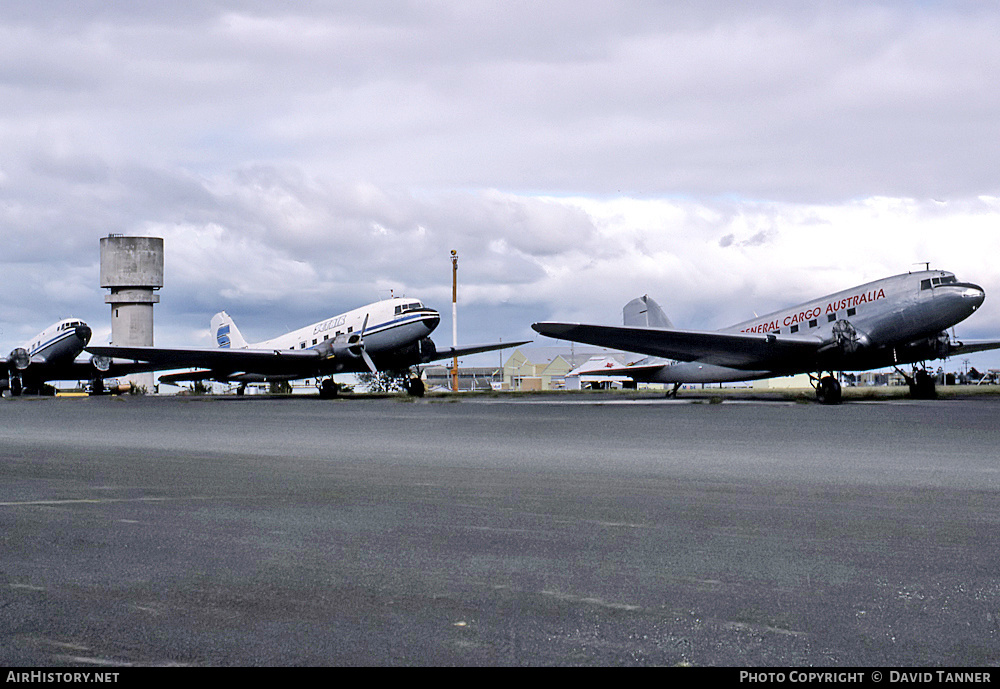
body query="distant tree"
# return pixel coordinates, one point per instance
(384, 381)
(198, 387)
(280, 387)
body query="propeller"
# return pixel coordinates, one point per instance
(364, 353)
(353, 346)
(19, 359)
(357, 343)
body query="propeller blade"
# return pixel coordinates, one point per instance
(368, 361)
(361, 341)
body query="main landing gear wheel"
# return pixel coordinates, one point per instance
(415, 387)
(328, 389)
(922, 386)
(828, 391)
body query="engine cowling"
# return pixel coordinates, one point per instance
(349, 349)
(847, 338)
(101, 363)
(427, 348)
(19, 359)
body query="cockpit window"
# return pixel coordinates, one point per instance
(412, 306)
(931, 283)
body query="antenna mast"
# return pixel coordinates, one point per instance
(454, 318)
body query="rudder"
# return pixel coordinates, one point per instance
(644, 312)
(226, 333)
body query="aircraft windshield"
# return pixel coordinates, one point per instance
(931, 283)
(412, 306)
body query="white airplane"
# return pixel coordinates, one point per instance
(890, 322)
(52, 355)
(388, 335)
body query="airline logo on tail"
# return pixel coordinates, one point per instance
(222, 336)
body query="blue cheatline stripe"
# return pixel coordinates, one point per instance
(392, 325)
(404, 321)
(54, 340)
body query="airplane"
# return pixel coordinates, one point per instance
(52, 355)
(894, 321)
(387, 335)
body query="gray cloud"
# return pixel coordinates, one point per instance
(307, 157)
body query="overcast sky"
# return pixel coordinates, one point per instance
(303, 158)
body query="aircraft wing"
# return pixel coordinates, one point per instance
(275, 361)
(732, 350)
(452, 352)
(84, 369)
(970, 346)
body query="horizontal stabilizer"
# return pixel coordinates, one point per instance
(188, 376)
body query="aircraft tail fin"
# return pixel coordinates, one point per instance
(226, 333)
(643, 312)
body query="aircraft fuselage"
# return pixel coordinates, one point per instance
(892, 321)
(46, 356)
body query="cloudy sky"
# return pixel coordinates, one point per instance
(303, 158)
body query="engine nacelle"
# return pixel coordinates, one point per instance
(101, 363)
(19, 359)
(940, 344)
(349, 349)
(427, 348)
(847, 338)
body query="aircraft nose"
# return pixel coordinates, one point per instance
(433, 321)
(974, 295)
(84, 332)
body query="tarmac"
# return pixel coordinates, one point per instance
(501, 531)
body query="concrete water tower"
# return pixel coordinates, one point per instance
(132, 268)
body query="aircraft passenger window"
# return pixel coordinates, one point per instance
(351, 329)
(813, 323)
(314, 341)
(795, 328)
(831, 318)
(302, 345)
(775, 332)
(925, 284)
(851, 312)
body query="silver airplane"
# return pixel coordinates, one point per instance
(52, 355)
(895, 321)
(387, 335)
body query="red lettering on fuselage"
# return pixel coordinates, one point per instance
(811, 314)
